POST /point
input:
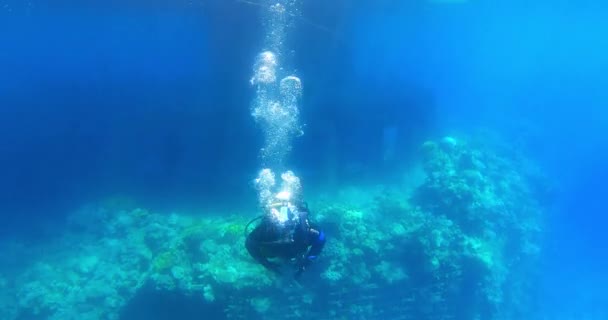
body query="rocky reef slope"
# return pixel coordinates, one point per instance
(463, 245)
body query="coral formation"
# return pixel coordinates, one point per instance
(460, 247)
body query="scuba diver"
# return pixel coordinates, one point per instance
(285, 233)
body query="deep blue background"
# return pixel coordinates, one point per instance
(151, 99)
(143, 99)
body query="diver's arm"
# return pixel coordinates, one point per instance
(315, 238)
(317, 242)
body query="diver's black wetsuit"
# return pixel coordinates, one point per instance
(268, 241)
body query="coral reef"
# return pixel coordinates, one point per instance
(463, 245)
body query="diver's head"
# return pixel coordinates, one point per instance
(290, 189)
(284, 196)
(281, 211)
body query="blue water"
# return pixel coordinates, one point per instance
(151, 99)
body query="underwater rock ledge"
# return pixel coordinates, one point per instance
(463, 245)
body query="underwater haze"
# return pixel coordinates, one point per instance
(453, 152)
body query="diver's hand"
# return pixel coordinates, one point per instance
(302, 264)
(298, 273)
(305, 261)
